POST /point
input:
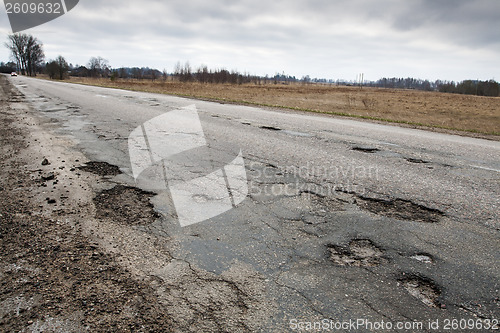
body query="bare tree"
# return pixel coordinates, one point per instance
(51, 69)
(27, 51)
(34, 55)
(63, 67)
(98, 67)
(178, 69)
(58, 68)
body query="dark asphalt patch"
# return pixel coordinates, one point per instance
(423, 289)
(126, 205)
(400, 209)
(101, 169)
(359, 253)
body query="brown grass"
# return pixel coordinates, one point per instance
(431, 109)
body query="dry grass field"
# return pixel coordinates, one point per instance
(470, 114)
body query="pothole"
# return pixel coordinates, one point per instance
(400, 209)
(126, 205)
(101, 168)
(416, 160)
(369, 150)
(423, 289)
(360, 253)
(318, 199)
(270, 128)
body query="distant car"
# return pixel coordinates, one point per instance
(13, 74)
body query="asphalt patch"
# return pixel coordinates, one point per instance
(126, 205)
(400, 209)
(359, 253)
(101, 169)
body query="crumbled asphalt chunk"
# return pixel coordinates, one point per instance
(49, 176)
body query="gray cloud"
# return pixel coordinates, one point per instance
(472, 23)
(450, 39)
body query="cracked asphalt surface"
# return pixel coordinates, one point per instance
(344, 220)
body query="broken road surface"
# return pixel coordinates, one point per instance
(343, 220)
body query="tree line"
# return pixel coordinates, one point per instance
(184, 73)
(471, 87)
(29, 59)
(467, 87)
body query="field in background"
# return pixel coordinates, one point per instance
(439, 110)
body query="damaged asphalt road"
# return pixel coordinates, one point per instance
(344, 220)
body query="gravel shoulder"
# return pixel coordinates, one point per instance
(53, 277)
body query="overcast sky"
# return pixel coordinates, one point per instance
(429, 39)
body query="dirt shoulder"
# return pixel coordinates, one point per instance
(53, 277)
